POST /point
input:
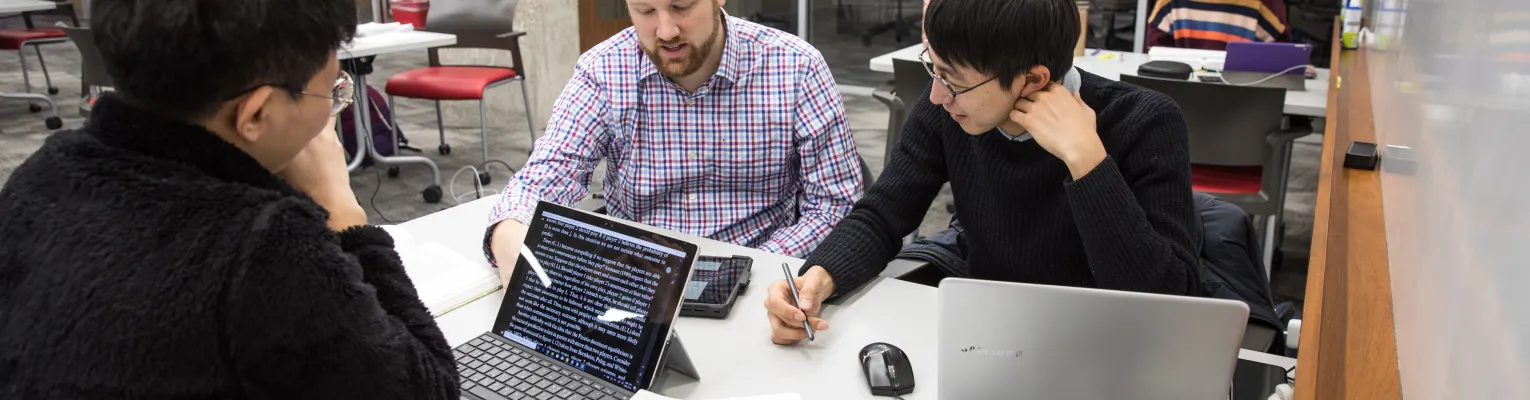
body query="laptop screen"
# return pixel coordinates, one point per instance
(596, 294)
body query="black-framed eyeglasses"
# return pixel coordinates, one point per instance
(341, 96)
(929, 66)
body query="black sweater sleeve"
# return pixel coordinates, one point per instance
(1135, 214)
(862, 244)
(313, 314)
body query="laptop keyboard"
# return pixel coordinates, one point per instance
(494, 370)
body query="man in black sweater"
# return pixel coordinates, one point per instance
(199, 237)
(1060, 177)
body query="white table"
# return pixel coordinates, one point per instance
(1312, 102)
(735, 356)
(17, 6)
(373, 45)
(393, 42)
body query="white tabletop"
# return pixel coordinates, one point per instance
(884, 63)
(1312, 102)
(735, 356)
(16, 6)
(392, 42)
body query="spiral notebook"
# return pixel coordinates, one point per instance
(443, 278)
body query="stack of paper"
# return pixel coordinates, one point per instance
(1197, 58)
(444, 279)
(373, 28)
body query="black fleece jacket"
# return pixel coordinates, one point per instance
(145, 258)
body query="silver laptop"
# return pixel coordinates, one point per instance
(1001, 340)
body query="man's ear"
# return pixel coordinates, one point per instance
(1036, 79)
(721, 3)
(249, 114)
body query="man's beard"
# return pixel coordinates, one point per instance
(693, 60)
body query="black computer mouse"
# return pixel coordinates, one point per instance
(887, 370)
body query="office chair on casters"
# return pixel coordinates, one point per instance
(1239, 151)
(910, 81)
(19, 38)
(93, 76)
(478, 24)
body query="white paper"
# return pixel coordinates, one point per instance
(373, 28)
(647, 395)
(444, 279)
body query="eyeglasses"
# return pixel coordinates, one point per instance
(341, 96)
(924, 58)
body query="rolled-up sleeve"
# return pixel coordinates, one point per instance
(562, 160)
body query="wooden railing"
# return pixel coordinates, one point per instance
(1348, 346)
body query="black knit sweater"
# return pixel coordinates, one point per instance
(1127, 225)
(148, 259)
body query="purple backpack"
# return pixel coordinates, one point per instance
(380, 114)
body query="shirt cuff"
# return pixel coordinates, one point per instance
(488, 245)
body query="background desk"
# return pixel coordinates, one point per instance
(17, 6)
(735, 356)
(373, 45)
(1312, 102)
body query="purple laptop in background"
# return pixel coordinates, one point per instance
(1266, 57)
(1255, 61)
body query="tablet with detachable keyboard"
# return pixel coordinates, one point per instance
(588, 313)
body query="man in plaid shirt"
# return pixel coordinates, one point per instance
(710, 125)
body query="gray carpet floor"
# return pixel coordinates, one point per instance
(397, 199)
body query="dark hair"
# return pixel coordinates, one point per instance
(1004, 38)
(181, 59)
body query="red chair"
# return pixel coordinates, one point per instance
(478, 24)
(19, 38)
(1239, 151)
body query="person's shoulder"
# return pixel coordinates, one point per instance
(1104, 94)
(773, 46)
(619, 54)
(1122, 108)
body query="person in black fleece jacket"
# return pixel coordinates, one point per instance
(1060, 177)
(198, 238)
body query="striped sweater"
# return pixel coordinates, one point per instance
(1211, 24)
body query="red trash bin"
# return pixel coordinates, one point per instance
(410, 12)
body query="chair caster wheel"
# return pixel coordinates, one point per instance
(444, 149)
(432, 194)
(52, 90)
(54, 122)
(393, 172)
(483, 178)
(34, 108)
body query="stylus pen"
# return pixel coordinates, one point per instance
(792, 283)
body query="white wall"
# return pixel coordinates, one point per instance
(1457, 201)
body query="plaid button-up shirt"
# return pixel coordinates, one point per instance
(760, 155)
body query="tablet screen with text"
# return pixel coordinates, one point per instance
(595, 294)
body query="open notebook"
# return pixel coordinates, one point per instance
(444, 279)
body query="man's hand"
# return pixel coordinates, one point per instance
(506, 246)
(1063, 125)
(786, 320)
(319, 171)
